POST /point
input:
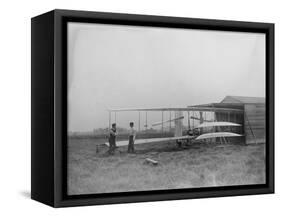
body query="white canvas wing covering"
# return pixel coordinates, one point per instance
(218, 124)
(217, 134)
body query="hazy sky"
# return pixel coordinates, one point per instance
(115, 66)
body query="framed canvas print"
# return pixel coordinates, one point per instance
(134, 108)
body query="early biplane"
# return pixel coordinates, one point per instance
(176, 116)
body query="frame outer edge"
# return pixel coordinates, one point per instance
(42, 171)
(59, 15)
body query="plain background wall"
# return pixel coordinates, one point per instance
(15, 107)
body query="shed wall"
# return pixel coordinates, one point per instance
(254, 117)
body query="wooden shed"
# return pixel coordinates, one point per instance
(253, 116)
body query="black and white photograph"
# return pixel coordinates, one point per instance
(140, 108)
(154, 108)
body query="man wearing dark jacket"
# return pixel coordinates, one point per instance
(132, 137)
(112, 139)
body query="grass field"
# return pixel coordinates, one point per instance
(198, 165)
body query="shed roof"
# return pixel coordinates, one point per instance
(243, 99)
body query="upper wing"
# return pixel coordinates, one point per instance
(190, 108)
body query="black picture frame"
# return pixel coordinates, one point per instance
(49, 107)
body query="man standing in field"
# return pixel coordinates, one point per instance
(112, 139)
(132, 137)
